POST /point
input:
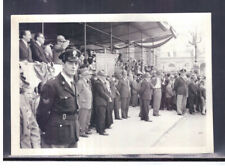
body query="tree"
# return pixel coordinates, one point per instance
(195, 40)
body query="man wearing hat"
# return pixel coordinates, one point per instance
(180, 87)
(101, 99)
(145, 96)
(29, 130)
(57, 113)
(59, 48)
(84, 100)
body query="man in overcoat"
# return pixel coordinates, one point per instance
(84, 99)
(180, 87)
(145, 96)
(57, 113)
(101, 100)
(125, 94)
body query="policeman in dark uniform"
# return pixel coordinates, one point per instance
(57, 113)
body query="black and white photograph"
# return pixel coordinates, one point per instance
(111, 84)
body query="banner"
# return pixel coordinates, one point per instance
(106, 62)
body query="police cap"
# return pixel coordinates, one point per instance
(70, 55)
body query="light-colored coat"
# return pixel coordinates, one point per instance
(84, 94)
(29, 130)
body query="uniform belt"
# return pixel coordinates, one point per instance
(65, 116)
(157, 88)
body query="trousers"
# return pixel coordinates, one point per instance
(84, 120)
(145, 109)
(181, 104)
(125, 106)
(157, 95)
(100, 118)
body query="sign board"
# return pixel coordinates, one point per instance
(106, 62)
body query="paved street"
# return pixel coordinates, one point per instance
(133, 136)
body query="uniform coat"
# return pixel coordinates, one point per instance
(57, 113)
(25, 52)
(38, 53)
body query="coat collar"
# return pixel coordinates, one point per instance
(65, 85)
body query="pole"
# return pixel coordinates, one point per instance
(42, 28)
(141, 53)
(128, 41)
(85, 40)
(111, 42)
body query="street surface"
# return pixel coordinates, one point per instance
(133, 136)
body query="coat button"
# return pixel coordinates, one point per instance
(60, 125)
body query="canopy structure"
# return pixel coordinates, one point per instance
(108, 35)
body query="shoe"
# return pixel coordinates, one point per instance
(156, 115)
(179, 114)
(148, 120)
(118, 118)
(88, 132)
(104, 134)
(84, 135)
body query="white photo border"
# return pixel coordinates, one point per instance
(16, 19)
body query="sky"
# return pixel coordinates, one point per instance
(183, 25)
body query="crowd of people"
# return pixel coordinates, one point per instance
(35, 48)
(78, 100)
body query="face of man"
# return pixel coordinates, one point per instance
(182, 75)
(27, 36)
(70, 68)
(41, 39)
(124, 74)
